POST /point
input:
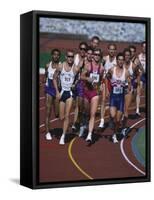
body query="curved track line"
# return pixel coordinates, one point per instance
(74, 162)
(122, 150)
(124, 154)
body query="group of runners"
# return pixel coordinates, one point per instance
(87, 80)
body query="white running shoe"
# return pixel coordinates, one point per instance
(114, 138)
(101, 125)
(48, 136)
(62, 140)
(124, 131)
(89, 137)
(82, 128)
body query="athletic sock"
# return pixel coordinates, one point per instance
(137, 103)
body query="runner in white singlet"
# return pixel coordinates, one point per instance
(67, 72)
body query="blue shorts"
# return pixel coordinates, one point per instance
(134, 83)
(117, 100)
(66, 95)
(143, 78)
(49, 88)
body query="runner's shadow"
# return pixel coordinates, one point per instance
(69, 137)
(56, 132)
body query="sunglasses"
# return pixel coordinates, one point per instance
(82, 48)
(70, 56)
(96, 54)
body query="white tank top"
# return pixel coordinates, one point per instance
(142, 59)
(67, 79)
(118, 83)
(130, 68)
(108, 64)
(51, 72)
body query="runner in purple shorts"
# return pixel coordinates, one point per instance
(50, 90)
(78, 90)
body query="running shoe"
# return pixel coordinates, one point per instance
(89, 137)
(101, 125)
(62, 140)
(114, 138)
(137, 115)
(125, 131)
(48, 136)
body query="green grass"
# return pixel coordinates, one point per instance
(46, 57)
(141, 143)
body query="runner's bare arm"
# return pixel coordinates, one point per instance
(55, 79)
(46, 72)
(128, 78)
(84, 76)
(109, 74)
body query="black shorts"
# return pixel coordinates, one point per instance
(66, 95)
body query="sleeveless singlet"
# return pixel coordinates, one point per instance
(142, 59)
(51, 72)
(67, 79)
(118, 83)
(108, 64)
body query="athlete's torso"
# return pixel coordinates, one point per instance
(118, 83)
(67, 78)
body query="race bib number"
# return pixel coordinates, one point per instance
(67, 79)
(117, 90)
(95, 77)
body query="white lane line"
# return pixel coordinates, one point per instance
(124, 154)
(53, 120)
(41, 98)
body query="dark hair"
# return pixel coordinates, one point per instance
(83, 43)
(100, 51)
(119, 54)
(126, 50)
(95, 38)
(89, 48)
(132, 47)
(55, 50)
(112, 44)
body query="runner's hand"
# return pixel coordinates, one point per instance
(90, 80)
(58, 95)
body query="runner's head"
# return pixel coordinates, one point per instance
(132, 49)
(127, 55)
(83, 49)
(89, 54)
(55, 53)
(94, 43)
(70, 57)
(112, 49)
(120, 60)
(143, 45)
(97, 55)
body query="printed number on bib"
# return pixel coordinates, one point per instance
(67, 79)
(117, 90)
(95, 77)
